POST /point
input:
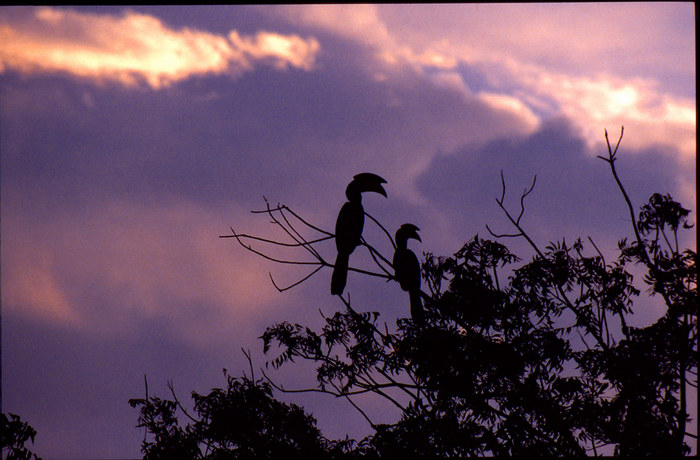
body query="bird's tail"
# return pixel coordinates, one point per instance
(416, 307)
(340, 274)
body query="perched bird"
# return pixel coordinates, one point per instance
(348, 227)
(407, 269)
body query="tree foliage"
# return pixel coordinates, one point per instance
(14, 433)
(240, 421)
(513, 358)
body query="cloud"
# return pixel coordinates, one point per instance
(113, 267)
(363, 24)
(32, 284)
(650, 115)
(512, 105)
(360, 23)
(574, 196)
(282, 50)
(602, 66)
(216, 142)
(136, 47)
(624, 39)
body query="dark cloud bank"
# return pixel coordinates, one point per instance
(575, 194)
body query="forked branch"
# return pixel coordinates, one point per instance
(562, 296)
(515, 221)
(294, 227)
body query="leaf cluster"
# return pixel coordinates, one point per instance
(240, 421)
(14, 433)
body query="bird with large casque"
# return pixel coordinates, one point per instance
(348, 226)
(407, 269)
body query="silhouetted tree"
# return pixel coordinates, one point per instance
(14, 433)
(241, 421)
(509, 358)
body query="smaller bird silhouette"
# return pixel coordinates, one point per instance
(407, 269)
(348, 227)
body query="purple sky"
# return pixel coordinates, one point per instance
(131, 138)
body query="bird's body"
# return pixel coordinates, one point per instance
(407, 269)
(348, 232)
(348, 226)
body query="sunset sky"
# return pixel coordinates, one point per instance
(132, 137)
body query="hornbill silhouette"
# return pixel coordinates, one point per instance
(348, 227)
(407, 269)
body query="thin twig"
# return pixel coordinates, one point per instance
(295, 284)
(386, 232)
(284, 229)
(177, 401)
(278, 243)
(503, 235)
(320, 230)
(250, 364)
(273, 259)
(374, 253)
(356, 407)
(522, 197)
(602, 257)
(145, 381)
(516, 223)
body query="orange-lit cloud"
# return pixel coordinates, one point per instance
(364, 24)
(135, 47)
(649, 115)
(591, 63)
(30, 283)
(110, 269)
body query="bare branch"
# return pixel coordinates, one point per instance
(503, 235)
(522, 198)
(177, 401)
(374, 253)
(338, 393)
(294, 234)
(516, 222)
(503, 189)
(278, 243)
(360, 411)
(250, 364)
(388, 235)
(273, 259)
(291, 232)
(295, 284)
(305, 222)
(299, 241)
(611, 161)
(302, 390)
(602, 257)
(145, 381)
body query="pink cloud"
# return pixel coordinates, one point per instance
(136, 47)
(108, 269)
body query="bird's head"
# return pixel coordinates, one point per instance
(365, 182)
(407, 231)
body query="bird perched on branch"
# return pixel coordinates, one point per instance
(407, 269)
(348, 227)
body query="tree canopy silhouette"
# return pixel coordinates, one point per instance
(509, 358)
(14, 434)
